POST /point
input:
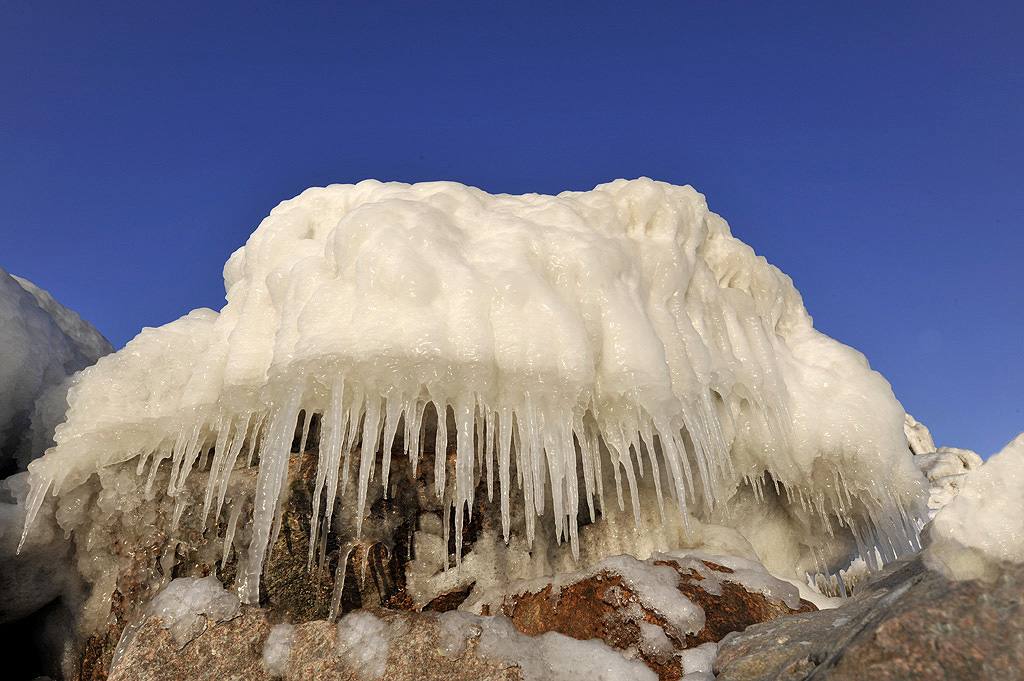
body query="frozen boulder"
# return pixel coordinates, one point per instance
(41, 343)
(982, 529)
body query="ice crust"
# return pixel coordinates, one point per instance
(983, 526)
(620, 336)
(41, 342)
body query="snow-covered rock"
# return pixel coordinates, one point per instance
(983, 527)
(41, 343)
(622, 335)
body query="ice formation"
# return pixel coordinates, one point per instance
(41, 342)
(919, 438)
(983, 526)
(619, 337)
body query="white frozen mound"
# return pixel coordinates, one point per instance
(41, 342)
(984, 525)
(622, 329)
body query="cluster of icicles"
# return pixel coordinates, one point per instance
(546, 443)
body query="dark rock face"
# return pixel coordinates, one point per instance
(906, 623)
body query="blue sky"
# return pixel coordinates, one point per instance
(872, 151)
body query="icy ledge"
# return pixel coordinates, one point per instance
(620, 336)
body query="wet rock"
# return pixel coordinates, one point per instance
(906, 623)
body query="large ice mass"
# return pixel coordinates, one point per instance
(565, 346)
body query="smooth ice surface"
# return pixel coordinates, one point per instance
(984, 524)
(41, 342)
(183, 603)
(565, 340)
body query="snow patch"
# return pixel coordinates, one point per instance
(548, 656)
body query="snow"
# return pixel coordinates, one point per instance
(41, 342)
(547, 656)
(696, 662)
(984, 525)
(618, 336)
(277, 649)
(181, 606)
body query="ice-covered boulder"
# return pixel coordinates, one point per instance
(983, 527)
(41, 343)
(599, 350)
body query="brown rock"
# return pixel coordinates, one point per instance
(605, 606)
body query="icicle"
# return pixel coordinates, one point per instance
(339, 581)
(504, 435)
(489, 437)
(229, 531)
(332, 426)
(464, 451)
(440, 448)
(220, 453)
(273, 471)
(367, 456)
(393, 412)
(237, 441)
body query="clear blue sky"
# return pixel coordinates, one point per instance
(874, 152)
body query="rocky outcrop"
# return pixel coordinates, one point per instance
(906, 623)
(621, 602)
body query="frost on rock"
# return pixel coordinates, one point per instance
(580, 352)
(364, 640)
(548, 656)
(277, 649)
(41, 342)
(187, 602)
(984, 525)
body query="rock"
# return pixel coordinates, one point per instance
(621, 602)
(908, 622)
(234, 650)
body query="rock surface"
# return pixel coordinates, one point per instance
(906, 623)
(611, 606)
